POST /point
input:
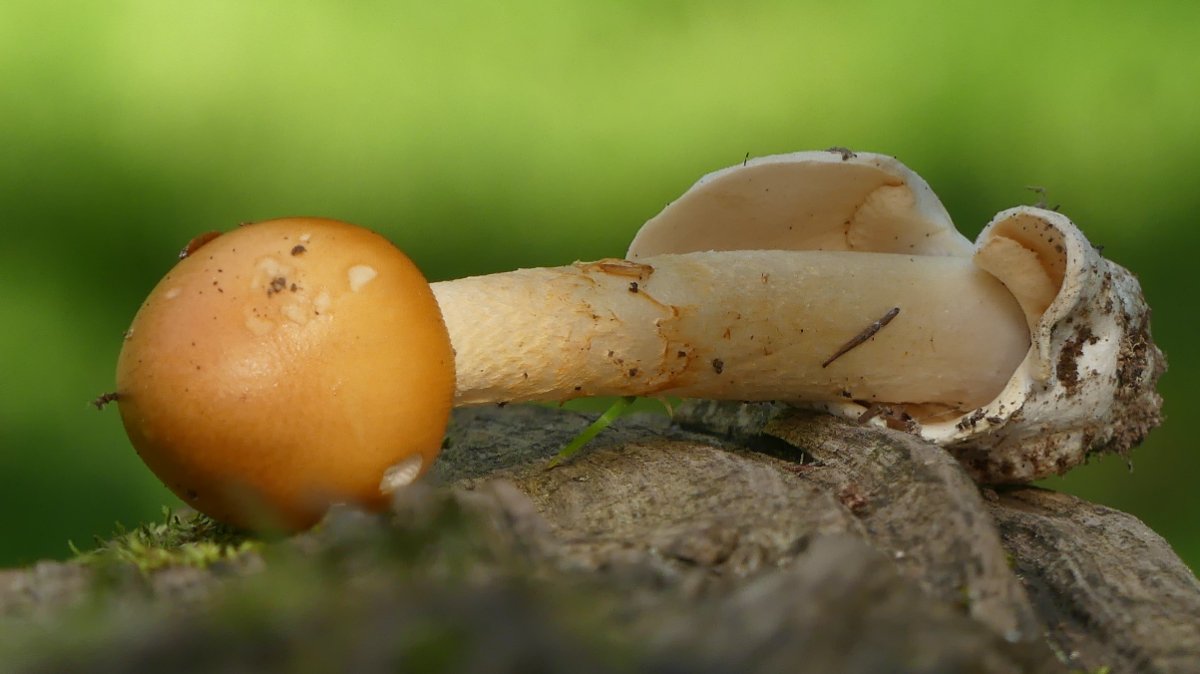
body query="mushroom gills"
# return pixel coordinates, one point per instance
(704, 325)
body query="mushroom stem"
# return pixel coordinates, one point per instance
(737, 325)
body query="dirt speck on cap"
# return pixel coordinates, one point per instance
(1067, 369)
(277, 285)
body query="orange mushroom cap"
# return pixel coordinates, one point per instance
(286, 366)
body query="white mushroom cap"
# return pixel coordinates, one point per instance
(1088, 381)
(806, 201)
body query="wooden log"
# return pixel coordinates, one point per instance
(748, 538)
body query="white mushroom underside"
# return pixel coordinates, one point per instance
(745, 325)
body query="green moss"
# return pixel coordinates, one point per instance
(441, 584)
(190, 539)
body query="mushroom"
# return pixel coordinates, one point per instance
(837, 281)
(290, 364)
(1087, 382)
(779, 280)
(285, 366)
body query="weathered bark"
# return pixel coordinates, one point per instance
(1103, 583)
(742, 538)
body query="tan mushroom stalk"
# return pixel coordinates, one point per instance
(746, 325)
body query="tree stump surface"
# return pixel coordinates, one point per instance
(738, 538)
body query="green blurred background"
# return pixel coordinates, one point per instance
(482, 136)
